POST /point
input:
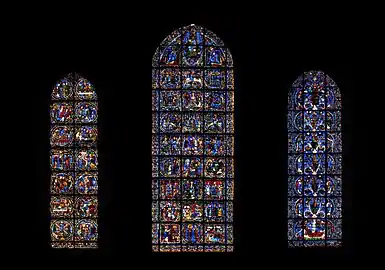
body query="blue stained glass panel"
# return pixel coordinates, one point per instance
(314, 162)
(193, 143)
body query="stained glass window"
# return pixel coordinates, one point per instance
(192, 143)
(74, 164)
(314, 162)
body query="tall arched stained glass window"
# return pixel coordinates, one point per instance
(192, 143)
(74, 164)
(314, 162)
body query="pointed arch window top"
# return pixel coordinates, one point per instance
(73, 87)
(314, 90)
(192, 46)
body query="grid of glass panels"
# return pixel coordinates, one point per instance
(314, 162)
(192, 143)
(74, 164)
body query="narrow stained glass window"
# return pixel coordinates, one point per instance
(192, 143)
(74, 164)
(314, 162)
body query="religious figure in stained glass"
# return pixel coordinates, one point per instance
(314, 162)
(74, 164)
(192, 143)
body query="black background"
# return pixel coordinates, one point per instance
(116, 57)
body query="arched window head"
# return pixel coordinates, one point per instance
(192, 143)
(314, 162)
(74, 164)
